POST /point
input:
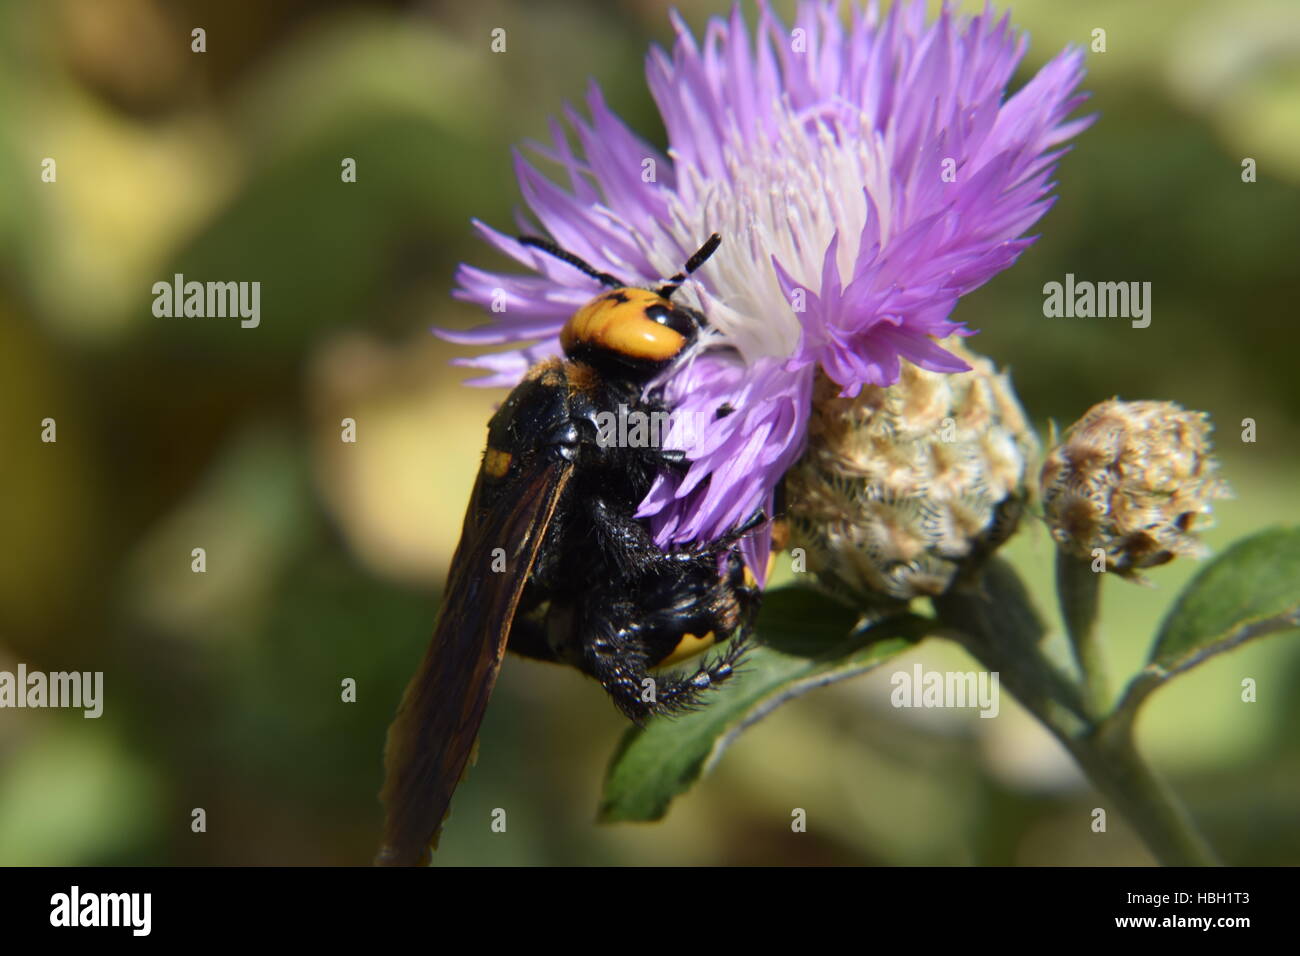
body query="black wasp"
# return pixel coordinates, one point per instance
(577, 579)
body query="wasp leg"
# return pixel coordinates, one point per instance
(612, 654)
(678, 694)
(641, 695)
(620, 645)
(672, 456)
(719, 545)
(629, 544)
(625, 540)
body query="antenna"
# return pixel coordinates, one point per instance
(694, 262)
(604, 278)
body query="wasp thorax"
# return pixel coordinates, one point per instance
(902, 487)
(1135, 480)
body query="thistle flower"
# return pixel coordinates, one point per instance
(901, 486)
(863, 177)
(1134, 479)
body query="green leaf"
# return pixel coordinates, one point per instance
(807, 640)
(1250, 590)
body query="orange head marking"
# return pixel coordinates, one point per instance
(633, 324)
(632, 331)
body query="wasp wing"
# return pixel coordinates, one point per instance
(433, 735)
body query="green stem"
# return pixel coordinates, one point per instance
(999, 626)
(1146, 801)
(1078, 589)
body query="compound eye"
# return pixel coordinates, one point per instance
(679, 320)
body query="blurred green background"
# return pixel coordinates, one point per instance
(324, 559)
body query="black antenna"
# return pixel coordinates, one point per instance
(694, 262)
(565, 256)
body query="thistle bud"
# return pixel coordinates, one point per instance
(1134, 479)
(902, 487)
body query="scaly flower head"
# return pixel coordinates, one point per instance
(863, 176)
(1135, 480)
(903, 487)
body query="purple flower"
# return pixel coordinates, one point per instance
(863, 177)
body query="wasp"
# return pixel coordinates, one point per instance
(552, 563)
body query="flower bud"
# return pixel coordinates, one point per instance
(1134, 479)
(902, 487)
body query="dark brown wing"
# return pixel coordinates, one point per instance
(433, 734)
